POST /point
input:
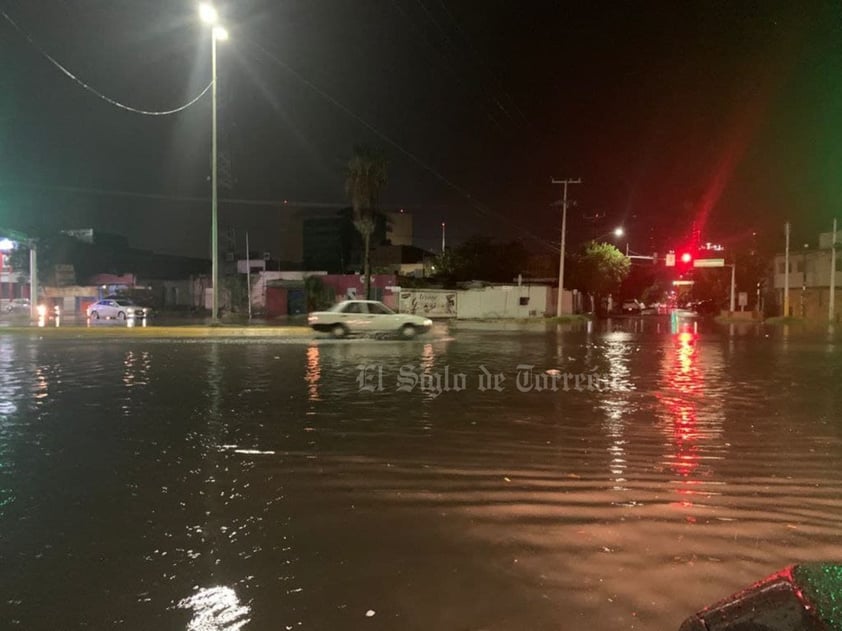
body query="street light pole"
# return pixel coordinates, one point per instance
(33, 281)
(214, 200)
(210, 16)
(563, 236)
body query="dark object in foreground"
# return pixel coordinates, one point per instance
(805, 597)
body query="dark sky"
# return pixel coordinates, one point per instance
(728, 112)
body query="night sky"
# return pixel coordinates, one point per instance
(726, 112)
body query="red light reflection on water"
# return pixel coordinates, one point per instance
(314, 373)
(682, 382)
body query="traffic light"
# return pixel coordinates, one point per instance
(686, 258)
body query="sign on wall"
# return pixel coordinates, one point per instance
(434, 304)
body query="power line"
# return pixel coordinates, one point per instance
(93, 90)
(274, 203)
(476, 205)
(482, 62)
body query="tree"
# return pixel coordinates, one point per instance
(480, 258)
(599, 269)
(364, 180)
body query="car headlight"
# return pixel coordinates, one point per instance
(428, 322)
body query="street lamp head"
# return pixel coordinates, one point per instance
(208, 13)
(619, 232)
(220, 34)
(6, 245)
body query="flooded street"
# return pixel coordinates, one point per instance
(627, 479)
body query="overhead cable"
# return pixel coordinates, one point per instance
(93, 90)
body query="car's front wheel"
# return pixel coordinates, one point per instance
(94, 315)
(408, 331)
(339, 330)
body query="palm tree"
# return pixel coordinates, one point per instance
(364, 179)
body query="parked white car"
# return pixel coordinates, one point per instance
(367, 316)
(19, 305)
(116, 309)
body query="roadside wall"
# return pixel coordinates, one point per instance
(503, 301)
(494, 302)
(433, 303)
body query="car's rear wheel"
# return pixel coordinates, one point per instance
(339, 330)
(408, 331)
(94, 315)
(121, 315)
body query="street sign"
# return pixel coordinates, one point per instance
(709, 263)
(742, 299)
(670, 259)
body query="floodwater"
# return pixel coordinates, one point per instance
(253, 484)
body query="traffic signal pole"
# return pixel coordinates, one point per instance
(733, 284)
(831, 305)
(786, 274)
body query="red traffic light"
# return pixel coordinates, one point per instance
(686, 257)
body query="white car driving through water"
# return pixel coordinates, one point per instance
(367, 316)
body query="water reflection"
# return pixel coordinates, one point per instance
(215, 609)
(551, 507)
(313, 372)
(428, 358)
(9, 382)
(616, 405)
(683, 386)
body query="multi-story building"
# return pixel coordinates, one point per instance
(809, 279)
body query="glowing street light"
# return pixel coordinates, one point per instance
(209, 15)
(619, 232)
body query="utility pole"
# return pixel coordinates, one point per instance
(563, 237)
(786, 274)
(442, 237)
(831, 307)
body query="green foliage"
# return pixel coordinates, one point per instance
(365, 179)
(599, 269)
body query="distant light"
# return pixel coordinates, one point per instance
(442, 224)
(686, 257)
(220, 33)
(286, 202)
(619, 232)
(6, 245)
(208, 13)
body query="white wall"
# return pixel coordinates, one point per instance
(503, 301)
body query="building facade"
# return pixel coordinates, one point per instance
(809, 276)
